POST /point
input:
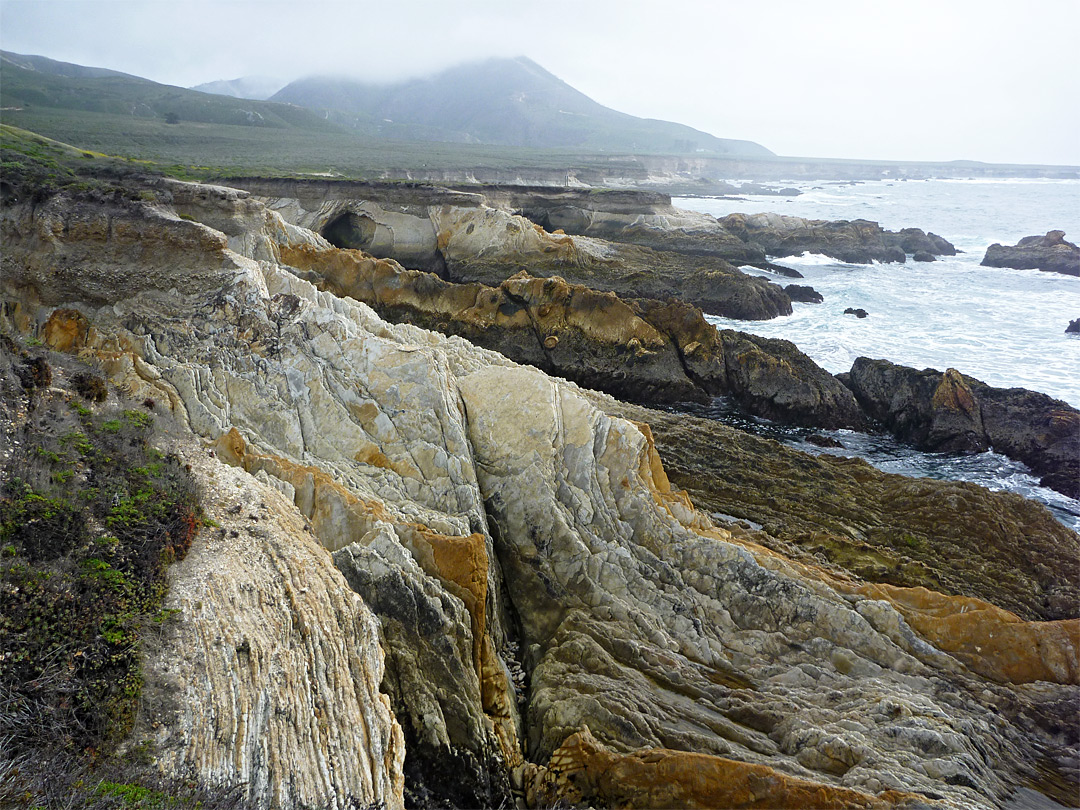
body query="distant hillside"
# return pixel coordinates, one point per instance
(254, 87)
(51, 67)
(509, 102)
(34, 81)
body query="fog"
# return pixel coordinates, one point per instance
(914, 80)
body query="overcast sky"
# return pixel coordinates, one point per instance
(990, 80)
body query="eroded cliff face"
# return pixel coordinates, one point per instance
(482, 236)
(551, 612)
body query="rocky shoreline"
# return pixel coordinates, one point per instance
(441, 577)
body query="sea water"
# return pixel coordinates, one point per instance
(1004, 327)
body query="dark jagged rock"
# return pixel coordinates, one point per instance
(1050, 253)
(915, 240)
(772, 378)
(823, 441)
(858, 313)
(951, 412)
(803, 294)
(857, 241)
(1073, 328)
(878, 526)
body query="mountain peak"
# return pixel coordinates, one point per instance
(509, 101)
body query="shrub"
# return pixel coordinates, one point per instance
(89, 386)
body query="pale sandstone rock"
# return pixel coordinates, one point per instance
(635, 617)
(268, 673)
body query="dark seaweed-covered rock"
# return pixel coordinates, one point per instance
(803, 293)
(949, 536)
(856, 241)
(915, 240)
(951, 412)
(1050, 253)
(772, 378)
(858, 313)
(822, 440)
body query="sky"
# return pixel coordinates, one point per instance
(990, 80)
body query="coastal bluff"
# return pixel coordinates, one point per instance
(456, 580)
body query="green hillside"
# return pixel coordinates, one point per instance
(30, 82)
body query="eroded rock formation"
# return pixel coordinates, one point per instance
(547, 601)
(639, 349)
(478, 236)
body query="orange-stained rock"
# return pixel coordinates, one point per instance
(988, 639)
(66, 330)
(339, 517)
(583, 769)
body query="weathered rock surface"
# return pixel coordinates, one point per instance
(837, 511)
(770, 377)
(951, 412)
(269, 672)
(640, 350)
(632, 616)
(857, 241)
(1051, 253)
(469, 236)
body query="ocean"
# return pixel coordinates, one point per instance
(1004, 327)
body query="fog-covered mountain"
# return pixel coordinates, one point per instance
(259, 88)
(512, 102)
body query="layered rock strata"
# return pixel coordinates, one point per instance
(951, 412)
(640, 349)
(479, 237)
(1051, 253)
(268, 674)
(451, 476)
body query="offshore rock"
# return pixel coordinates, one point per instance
(916, 241)
(1051, 253)
(1073, 328)
(856, 242)
(951, 412)
(803, 294)
(607, 602)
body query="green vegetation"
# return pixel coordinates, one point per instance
(90, 516)
(74, 599)
(35, 167)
